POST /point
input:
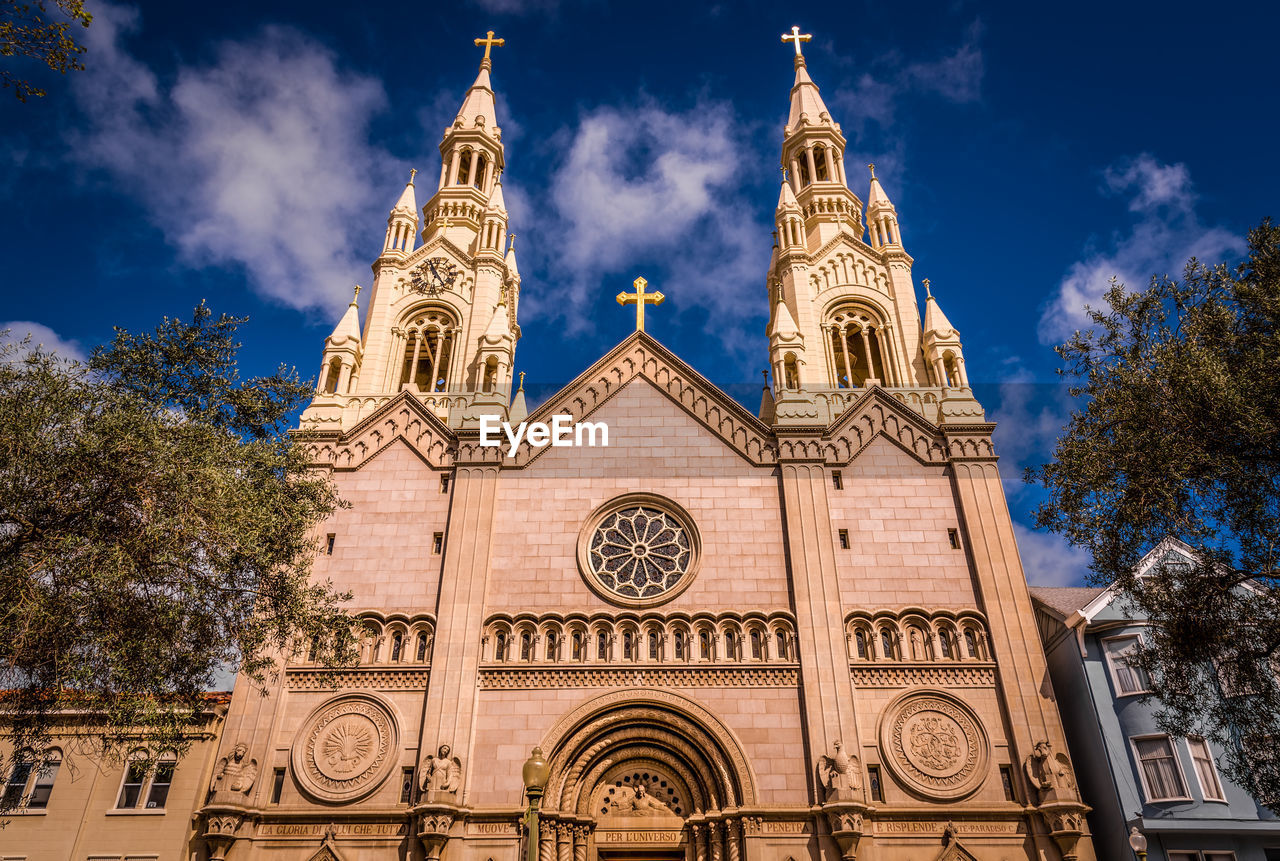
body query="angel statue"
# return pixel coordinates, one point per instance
(443, 772)
(839, 775)
(234, 774)
(1051, 775)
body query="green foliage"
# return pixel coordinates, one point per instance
(1178, 434)
(26, 31)
(157, 529)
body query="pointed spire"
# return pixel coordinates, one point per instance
(767, 408)
(787, 197)
(519, 409)
(876, 196)
(934, 320)
(407, 203)
(477, 108)
(805, 99)
(512, 270)
(784, 326)
(496, 201)
(348, 328)
(499, 326)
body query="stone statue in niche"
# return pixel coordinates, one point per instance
(443, 774)
(1051, 775)
(636, 802)
(235, 774)
(840, 775)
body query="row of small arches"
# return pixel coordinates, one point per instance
(848, 269)
(914, 635)
(392, 640)
(605, 640)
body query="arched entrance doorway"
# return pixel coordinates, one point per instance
(644, 775)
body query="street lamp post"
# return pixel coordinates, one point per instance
(535, 774)
(1138, 843)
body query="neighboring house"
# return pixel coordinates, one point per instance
(1128, 770)
(76, 804)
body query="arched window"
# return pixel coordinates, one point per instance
(602, 646)
(915, 642)
(42, 784)
(526, 646)
(628, 643)
(335, 373)
(500, 646)
(944, 642)
(731, 645)
(422, 647)
(791, 372)
(464, 168)
(886, 642)
(755, 645)
(857, 349)
(490, 375)
(397, 643)
(804, 171)
(653, 645)
(860, 643)
(820, 162)
(970, 643)
(680, 645)
(577, 645)
(782, 649)
(552, 643)
(481, 163)
(15, 787)
(426, 354)
(704, 645)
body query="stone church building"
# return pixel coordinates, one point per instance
(802, 634)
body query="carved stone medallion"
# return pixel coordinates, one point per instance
(935, 744)
(346, 748)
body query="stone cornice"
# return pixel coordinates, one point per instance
(403, 417)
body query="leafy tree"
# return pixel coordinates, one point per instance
(157, 529)
(26, 31)
(1178, 434)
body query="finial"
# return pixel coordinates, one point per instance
(925, 282)
(640, 299)
(872, 168)
(413, 171)
(511, 240)
(357, 294)
(765, 372)
(797, 37)
(488, 41)
(521, 389)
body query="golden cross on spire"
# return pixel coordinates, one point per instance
(796, 36)
(640, 299)
(488, 41)
(872, 167)
(357, 294)
(927, 292)
(413, 171)
(521, 389)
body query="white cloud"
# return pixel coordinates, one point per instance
(1166, 233)
(643, 182)
(517, 7)
(14, 331)
(1048, 560)
(260, 159)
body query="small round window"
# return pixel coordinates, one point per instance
(639, 549)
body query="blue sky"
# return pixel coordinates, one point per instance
(249, 156)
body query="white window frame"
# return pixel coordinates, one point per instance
(23, 807)
(1111, 666)
(1213, 765)
(140, 807)
(1142, 775)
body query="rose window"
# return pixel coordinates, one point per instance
(640, 552)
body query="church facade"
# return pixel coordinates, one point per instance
(798, 634)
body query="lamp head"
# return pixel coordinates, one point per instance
(536, 771)
(1137, 842)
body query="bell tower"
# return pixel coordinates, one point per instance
(843, 309)
(441, 320)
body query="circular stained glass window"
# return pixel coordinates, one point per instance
(639, 550)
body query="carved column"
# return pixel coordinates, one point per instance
(699, 842)
(547, 841)
(716, 842)
(580, 835)
(733, 840)
(564, 844)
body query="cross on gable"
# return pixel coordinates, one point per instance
(640, 299)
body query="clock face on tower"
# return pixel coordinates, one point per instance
(433, 276)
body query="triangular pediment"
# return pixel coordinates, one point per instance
(879, 414)
(641, 357)
(403, 418)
